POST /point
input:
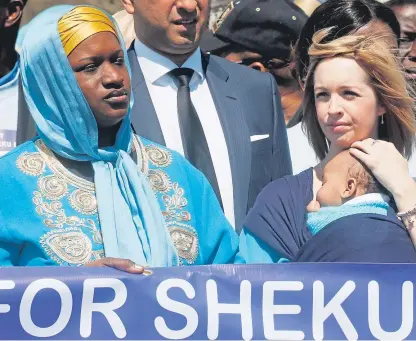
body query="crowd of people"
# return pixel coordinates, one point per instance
(283, 134)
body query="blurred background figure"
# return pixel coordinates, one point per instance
(405, 11)
(125, 23)
(35, 7)
(10, 16)
(261, 34)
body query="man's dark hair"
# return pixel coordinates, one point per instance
(397, 3)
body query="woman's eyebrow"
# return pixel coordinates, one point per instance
(93, 58)
(117, 52)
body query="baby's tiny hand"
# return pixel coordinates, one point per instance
(313, 206)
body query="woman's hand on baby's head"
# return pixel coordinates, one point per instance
(385, 162)
(313, 206)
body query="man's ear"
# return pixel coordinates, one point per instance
(14, 13)
(128, 6)
(258, 66)
(351, 189)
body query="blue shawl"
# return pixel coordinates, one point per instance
(132, 224)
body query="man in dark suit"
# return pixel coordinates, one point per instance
(225, 118)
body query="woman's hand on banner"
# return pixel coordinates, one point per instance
(125, 265)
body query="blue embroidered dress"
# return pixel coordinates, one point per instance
(48, 215)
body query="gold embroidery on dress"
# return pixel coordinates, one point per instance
(83, 201)
(31, 164)
(158, 156)
(159, 180)
(50, 210)
(175, 205)
(55, 217)
(52, 187)
(185, 240)
(69, 245)
(142, 157)
(99, 254)
(66, 243)
(60, 171)
(184, 237)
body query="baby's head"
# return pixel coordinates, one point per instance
(344, 178)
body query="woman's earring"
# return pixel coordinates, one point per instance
(382, 119)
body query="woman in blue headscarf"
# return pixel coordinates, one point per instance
(88, 191)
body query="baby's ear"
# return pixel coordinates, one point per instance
(350, 190)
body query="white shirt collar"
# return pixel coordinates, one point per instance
(154, 66)
(369, 197)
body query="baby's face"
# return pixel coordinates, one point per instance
(335, 180)
(333, 185)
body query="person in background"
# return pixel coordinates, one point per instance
(347, 17)
(261, 34)
(10, 16)
(226, 119)
(125, 22)
(405, 11)
(87, 191)
(356, 99)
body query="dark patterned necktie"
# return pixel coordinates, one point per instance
(193, 138)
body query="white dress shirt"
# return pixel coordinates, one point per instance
(163, 92)
(301, 152)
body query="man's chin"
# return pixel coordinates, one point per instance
(188, 38)
(183, 45)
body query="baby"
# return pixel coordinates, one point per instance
(348, 188)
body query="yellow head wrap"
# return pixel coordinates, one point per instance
(81, 23)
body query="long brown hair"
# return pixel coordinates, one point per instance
(386, 76)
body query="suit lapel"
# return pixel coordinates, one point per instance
(143, 115)
(236, 133)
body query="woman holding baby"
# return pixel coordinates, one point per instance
(359, 116)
